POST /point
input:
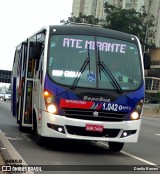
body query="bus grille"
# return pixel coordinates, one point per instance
(88, 115)
(75, 130)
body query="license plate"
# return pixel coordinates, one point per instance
(94, 128)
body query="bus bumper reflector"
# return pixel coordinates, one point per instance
(126, 133)
(57, 128)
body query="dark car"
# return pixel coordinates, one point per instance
(154, 101)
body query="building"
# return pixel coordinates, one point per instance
(90, 7)
(87, 7)
(100, 10)
(152, 79)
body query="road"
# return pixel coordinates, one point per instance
(54, 152)
(151, 106)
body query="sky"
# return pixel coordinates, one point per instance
(20, 19)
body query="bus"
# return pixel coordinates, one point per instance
(63, 85)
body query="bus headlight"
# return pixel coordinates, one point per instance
(134, 115)
(51, 109)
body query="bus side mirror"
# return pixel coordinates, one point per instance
(147, 61)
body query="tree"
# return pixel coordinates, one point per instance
(129, 21)
(82, 18)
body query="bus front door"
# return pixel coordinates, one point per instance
(25, 113)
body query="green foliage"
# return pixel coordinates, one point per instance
(82, 18)
(130, 21)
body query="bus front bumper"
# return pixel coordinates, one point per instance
(58, 126)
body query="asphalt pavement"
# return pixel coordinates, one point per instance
(7, 151)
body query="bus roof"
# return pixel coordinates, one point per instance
(85, 29)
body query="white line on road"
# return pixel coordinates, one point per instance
(157, 134)
(8, 147)
(133, 156)
(14, 138)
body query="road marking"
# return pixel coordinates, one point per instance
(14, 138)
(22, 136)
(157, 134)
(25, 137)
(133, 156)
(10, 152)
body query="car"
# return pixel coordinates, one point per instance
(154, 101)
(7, 96)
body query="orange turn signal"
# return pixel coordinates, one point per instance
(46, 93)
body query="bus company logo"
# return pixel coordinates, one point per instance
(95, 114)
(6, 169)
(101, 99)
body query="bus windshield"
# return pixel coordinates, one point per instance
(68, 53)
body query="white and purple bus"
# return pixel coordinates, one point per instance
(79, 82)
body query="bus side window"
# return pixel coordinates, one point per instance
(34, 58)
(39, 63)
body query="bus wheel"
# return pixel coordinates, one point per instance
(115, 146)
(38, 138)
(21, 128)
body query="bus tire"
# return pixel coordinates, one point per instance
(22, 128)
(38, 138)
(115, 146)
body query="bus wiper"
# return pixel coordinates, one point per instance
(83, 67)
(102, 66)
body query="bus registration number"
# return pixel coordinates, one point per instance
(94, 128)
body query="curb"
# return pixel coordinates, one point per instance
(9, 153)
